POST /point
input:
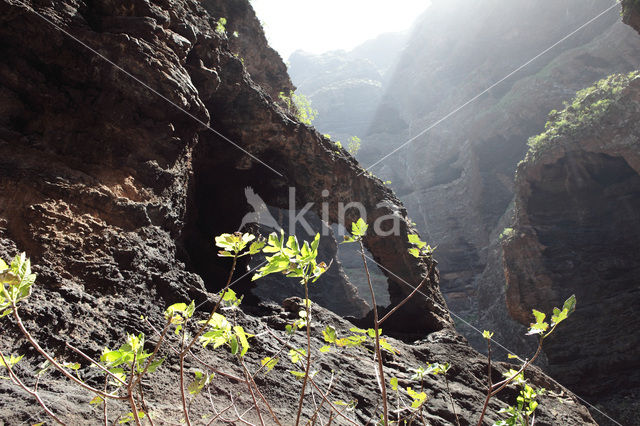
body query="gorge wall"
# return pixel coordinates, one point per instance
(118, 125)
(576, 231)
(575, 207)
(457, 178)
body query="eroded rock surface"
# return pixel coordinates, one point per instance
(115, 189)
(577, 232)
(456, 180)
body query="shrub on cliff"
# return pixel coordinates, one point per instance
(586, 109)
(126, 368)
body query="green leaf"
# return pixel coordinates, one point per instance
(325, 349)
(269, 363)
(359, 228)
(315, 244)
(229, 296)
(329, 334)
(414, 252)
(416, 241)
(387, 347)
(539, 316)
(297, 374)
(487, 334)
(296, 355)
(394, 383)
(176, 307)
(13, 360)
(570, 304)
(256, 247)
(155, 364)
(558, 316)
(418, 398)
(233, 342)
(71, 365)
(96, 400)
(243, 339)
(200, 381)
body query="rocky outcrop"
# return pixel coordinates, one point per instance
(129, 131)
(457, 179)
(170, 175)
(576, 231)
(631, 13)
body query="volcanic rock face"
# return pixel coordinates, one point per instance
(114, 185)
(457, 179)
(577, 231)
(129, 157)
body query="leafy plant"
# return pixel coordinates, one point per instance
(540, 328)
(221, 26)
(354, 145)
(296, 261)
(587, 108)
(126, 367)
(358, 233)
(300, 106)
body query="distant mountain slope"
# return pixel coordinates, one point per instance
(457, 178)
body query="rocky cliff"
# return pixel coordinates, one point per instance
(457, 178)
(129, 131)
(576, 232)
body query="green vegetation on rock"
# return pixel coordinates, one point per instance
(587, 108)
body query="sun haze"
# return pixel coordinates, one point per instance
(320, 26)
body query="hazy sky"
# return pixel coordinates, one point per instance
(321, 25)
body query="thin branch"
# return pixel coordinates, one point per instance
(185, 409)
(97, 364)
(206, 323)
(55, 363)
(313, 383)
(307, 304)
(406, 299)
(322, 402)
(376, 326)
(16, 380)
(255, 385)
(155, 351)
(253, 396)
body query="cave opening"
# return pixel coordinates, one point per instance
(223, 199)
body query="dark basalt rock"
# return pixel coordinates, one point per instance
(577, 232)
(116, 194)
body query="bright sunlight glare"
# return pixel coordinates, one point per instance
(319, 26)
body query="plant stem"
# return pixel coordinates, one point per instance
(453, 406)
(376, 327)
(307, 304)
(55, 363)
(16, 379)
(130, 390)
(406, 299)
(105, 415)
(313, 383)
(496, 388)
(97, 364)
(215, 309)
(155, 352)
(183, 395)
(253, 396)
(255, 385)
(315, 415)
